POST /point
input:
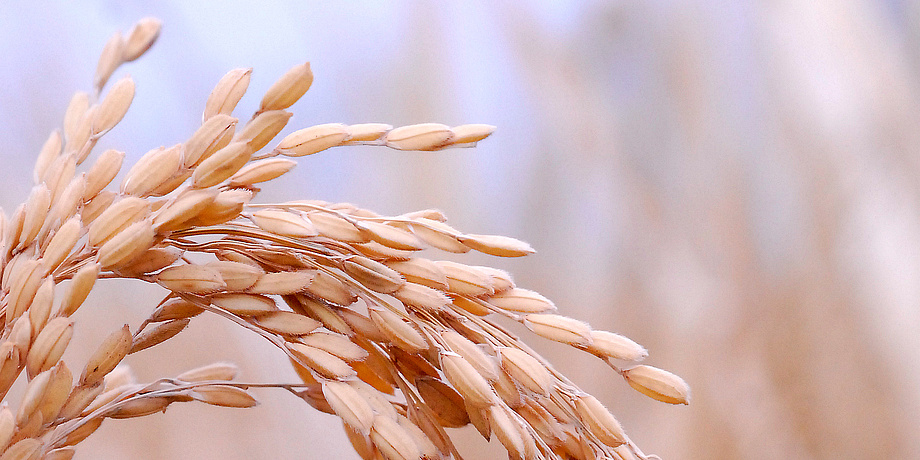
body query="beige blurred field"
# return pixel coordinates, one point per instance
(734, 185)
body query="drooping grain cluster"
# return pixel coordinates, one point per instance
(398, 345)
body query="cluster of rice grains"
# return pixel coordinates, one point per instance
(398, 346)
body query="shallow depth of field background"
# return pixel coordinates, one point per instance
(732, 184)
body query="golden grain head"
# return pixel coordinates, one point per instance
(111, 58)
(224, 395)
(140, 38)
(288, 89)
(214, 134)
(228, 92)
(396, 343)
(214, 371)
(350, 405)
(474, 388)
(114, 107)
(425, 136)
(658, 384)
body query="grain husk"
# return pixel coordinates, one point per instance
(610, 345)
(48, 153)
(49, 346)
(157, 334)
(472, 353)
(227, 94)
(214, 371)
(140, 38)
(337, 228)
(658, 384)
(238, 276)
(467, 380)
(599, 420)
(320, 361)
(214, 134)
(221, 165)
(425, 136)
(191, 278)
(526, 370)
(496, 245)
(522, 301)
(109, 60)
(350, 405)
(283, 283)
(286, 323)
(244, 304)
(114, 106)
(393, 442)
(262, 129)
(152, 170)
(80, 286)
(288, 89)
(261, 171)
(112, 350)
(559, 328)
(400, 332)
(312, 140)
(444, 402)
(336, 344)
(116, 218)
(283, 223)
(224, 396)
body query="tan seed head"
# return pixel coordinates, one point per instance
(49, 345)
(526, 370)
(392, 440)
(191, 278)
(153, 170)
(227, 93)
(425, 136)
(224, 396)
(612, 345)
(599, 420)
(49, 152)
(214, 134)
(215, 371)
(468, 135)
(221, 165)
(400, 332)
(559, 328)
(110, 59)
(283, 223)
(314, 139)
(158, 334)
(322, 362)
(263, 128)
(244, 304)
(140, 38)
(658, 384)
(288, 89)
(283, 282)
(522, 301)
(467, 380)
(62, 243)
(286, 323)
(350, 405)
(496, 245)
(112, 350)
(367, 133)
(261, 171)
(114, 107)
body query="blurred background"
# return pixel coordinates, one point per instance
(734, 185)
